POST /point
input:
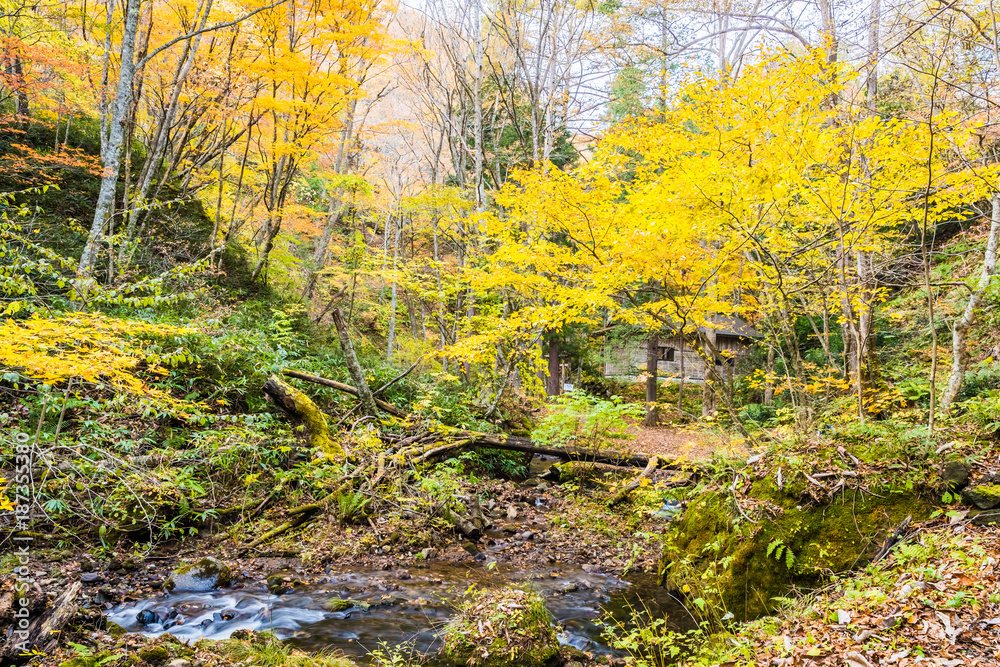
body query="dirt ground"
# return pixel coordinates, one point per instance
(675, 442)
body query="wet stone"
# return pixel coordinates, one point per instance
(204, 575)
(147, 617)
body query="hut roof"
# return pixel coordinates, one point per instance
(729, 325)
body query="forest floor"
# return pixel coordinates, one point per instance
(535, 523)
(689, 444)
(934, 601)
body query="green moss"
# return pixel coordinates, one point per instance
(201, 575)
(990, 491)
(263, 649)
(315, 420)
(89, 660)
(115, 630)
(154, 654)
(719, 555)
(338, 605)
(501, 628)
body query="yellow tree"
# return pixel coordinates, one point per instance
(307, 68)
(724, 207)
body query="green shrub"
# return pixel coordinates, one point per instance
(758, 413)
(576, 418)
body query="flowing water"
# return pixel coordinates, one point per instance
(406, 610)
(403, 611)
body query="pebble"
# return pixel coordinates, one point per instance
(91, 578)
(180, 662)
(590, 568)
(403, 575)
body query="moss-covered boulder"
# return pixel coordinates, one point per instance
(501, 628)
(154, 655)
(717, 553)
(203, 575)
(983, 496)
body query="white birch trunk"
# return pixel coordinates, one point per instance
(959, 342)
(115, 137)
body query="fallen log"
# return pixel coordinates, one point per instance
(647, 472)
(464, 526)
(446, 441)
(347, 389)
(520, 444)
(42, 635)
(297, 404)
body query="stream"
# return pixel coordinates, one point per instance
(408, 609)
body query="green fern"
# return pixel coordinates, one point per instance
(351, 506)
(778, 550)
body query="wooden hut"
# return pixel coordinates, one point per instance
(733, 339)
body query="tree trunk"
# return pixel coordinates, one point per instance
(553, 388)
(652, 380)
(111, 145)
(680, 382)
(518, 444)
(22, 94)
(874, 18)
(711, 376)
(959, 344)
(390, 347)
(271, 233)
(348, 389)
(357, 375)
(43, 633)
(155, 154)
(769, 378)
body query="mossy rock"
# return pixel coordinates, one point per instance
(282, 581)
(501, 628)
(743, 566)
(154, 654)
(339, 605)
(203, 575)
(115, 630)
(983, 496)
